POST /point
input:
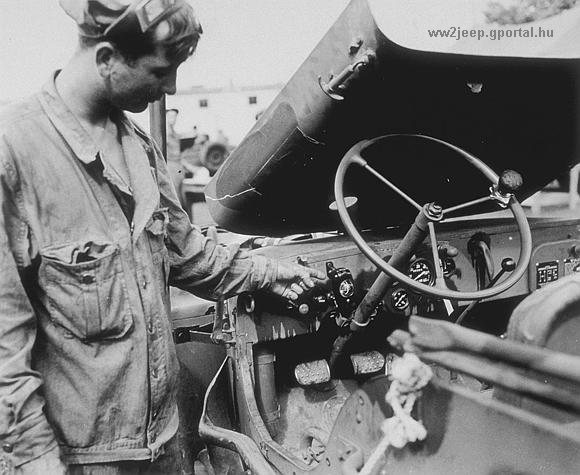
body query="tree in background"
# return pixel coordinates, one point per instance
(525, 11)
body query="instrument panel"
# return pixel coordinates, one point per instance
(556, 253)
(552, 261)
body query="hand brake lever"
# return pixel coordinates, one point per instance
(507, 265)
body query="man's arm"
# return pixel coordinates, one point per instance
(206, 268)
(25, 434)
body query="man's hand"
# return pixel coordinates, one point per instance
(294, 279)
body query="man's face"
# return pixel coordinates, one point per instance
(131, 86)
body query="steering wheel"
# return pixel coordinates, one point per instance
(501, 190)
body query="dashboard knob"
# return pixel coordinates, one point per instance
(508, 264)
(447, 250)
(509, 182)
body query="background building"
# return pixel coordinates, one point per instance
(230, 110)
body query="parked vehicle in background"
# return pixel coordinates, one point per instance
(202, 156)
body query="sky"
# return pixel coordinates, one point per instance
(247, 42)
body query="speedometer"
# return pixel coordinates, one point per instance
(421, 270)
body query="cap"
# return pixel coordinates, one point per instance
(94, 16)
(103, 18)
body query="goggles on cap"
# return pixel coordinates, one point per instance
(142, 16)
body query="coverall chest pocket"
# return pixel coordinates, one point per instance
(85, 290)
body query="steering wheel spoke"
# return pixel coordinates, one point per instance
(467, 204)
(436, 261)
(392, 186)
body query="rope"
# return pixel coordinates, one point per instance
(409, 376)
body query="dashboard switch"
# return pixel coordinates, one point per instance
(343, 288)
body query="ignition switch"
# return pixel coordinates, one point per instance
(343, 288)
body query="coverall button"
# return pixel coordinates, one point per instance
(8, 448)
(87, 279)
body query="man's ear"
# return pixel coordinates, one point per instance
(105, 55)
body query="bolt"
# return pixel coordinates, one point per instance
(355, 46)
(434, 210)
(303, 261)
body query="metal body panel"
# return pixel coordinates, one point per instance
(473, 434)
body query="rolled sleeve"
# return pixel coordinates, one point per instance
(210, 270)
(202, 266)
(264, 272)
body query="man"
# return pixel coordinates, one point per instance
(91, 234)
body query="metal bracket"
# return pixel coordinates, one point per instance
(501, 199)
(336, 86)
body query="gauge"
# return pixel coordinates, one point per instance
(421, 271)
(400, 300)
(448, 266)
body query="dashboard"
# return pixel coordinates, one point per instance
(472, 254)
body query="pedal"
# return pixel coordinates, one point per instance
(312, 372)
(367, 363)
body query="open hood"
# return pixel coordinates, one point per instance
(513, 102)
